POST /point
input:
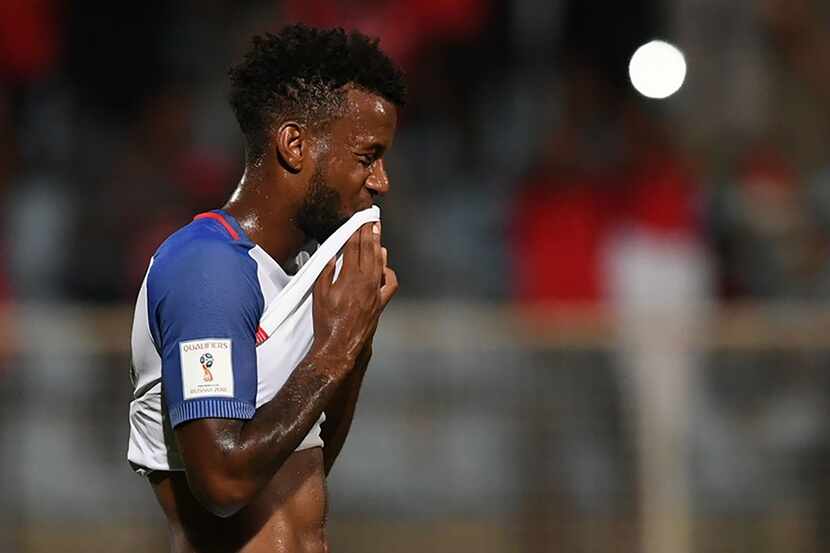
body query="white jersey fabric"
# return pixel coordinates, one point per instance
(218, 328)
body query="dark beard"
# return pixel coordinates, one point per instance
(320, 215)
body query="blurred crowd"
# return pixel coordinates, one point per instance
(524, 147)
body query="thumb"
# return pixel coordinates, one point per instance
(389, 287)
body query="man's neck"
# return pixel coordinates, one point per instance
(267, 217)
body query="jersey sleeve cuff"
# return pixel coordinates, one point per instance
(211, 408)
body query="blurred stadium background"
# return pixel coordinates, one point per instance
(611, 333)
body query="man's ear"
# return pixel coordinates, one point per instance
(290, 146)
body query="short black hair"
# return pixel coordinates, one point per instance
(300, 73)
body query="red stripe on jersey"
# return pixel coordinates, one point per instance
(217, 217)
(261, 335)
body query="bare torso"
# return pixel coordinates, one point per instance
(288, 516)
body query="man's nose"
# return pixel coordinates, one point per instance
(378, 180)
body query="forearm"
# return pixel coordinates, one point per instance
(340, 411)
(281, 424)
(249, 453)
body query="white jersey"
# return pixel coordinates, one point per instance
(198, 349)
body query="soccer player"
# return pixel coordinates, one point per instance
(236, 433)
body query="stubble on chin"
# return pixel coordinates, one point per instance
(320, 214)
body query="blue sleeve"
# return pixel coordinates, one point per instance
(205, 303)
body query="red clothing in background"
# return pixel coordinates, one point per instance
(562, 224)
(662, 198)
(404, 28)
(558, 230)
(28, 39)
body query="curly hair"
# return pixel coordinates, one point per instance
(301, 73)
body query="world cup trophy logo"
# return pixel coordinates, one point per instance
(207, 362)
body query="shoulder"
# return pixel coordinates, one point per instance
(204, 241)
(202, 257)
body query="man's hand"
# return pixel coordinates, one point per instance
(346, 311)
(340, 411)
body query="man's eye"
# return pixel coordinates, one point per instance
(365, 160)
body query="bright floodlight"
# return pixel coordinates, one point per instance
(657, 69)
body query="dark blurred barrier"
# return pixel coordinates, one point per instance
(480, 428)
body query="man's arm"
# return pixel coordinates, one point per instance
(340, 411)
(228, 461)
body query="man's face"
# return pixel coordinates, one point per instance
(349, 170)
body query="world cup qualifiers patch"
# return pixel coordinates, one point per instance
(207, 370)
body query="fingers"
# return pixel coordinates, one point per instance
(371, 261)
(389, 287)
(351, 251)
(365, 236)
(377, 254)
(363, 254)
(369, 238)
(324, 280)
